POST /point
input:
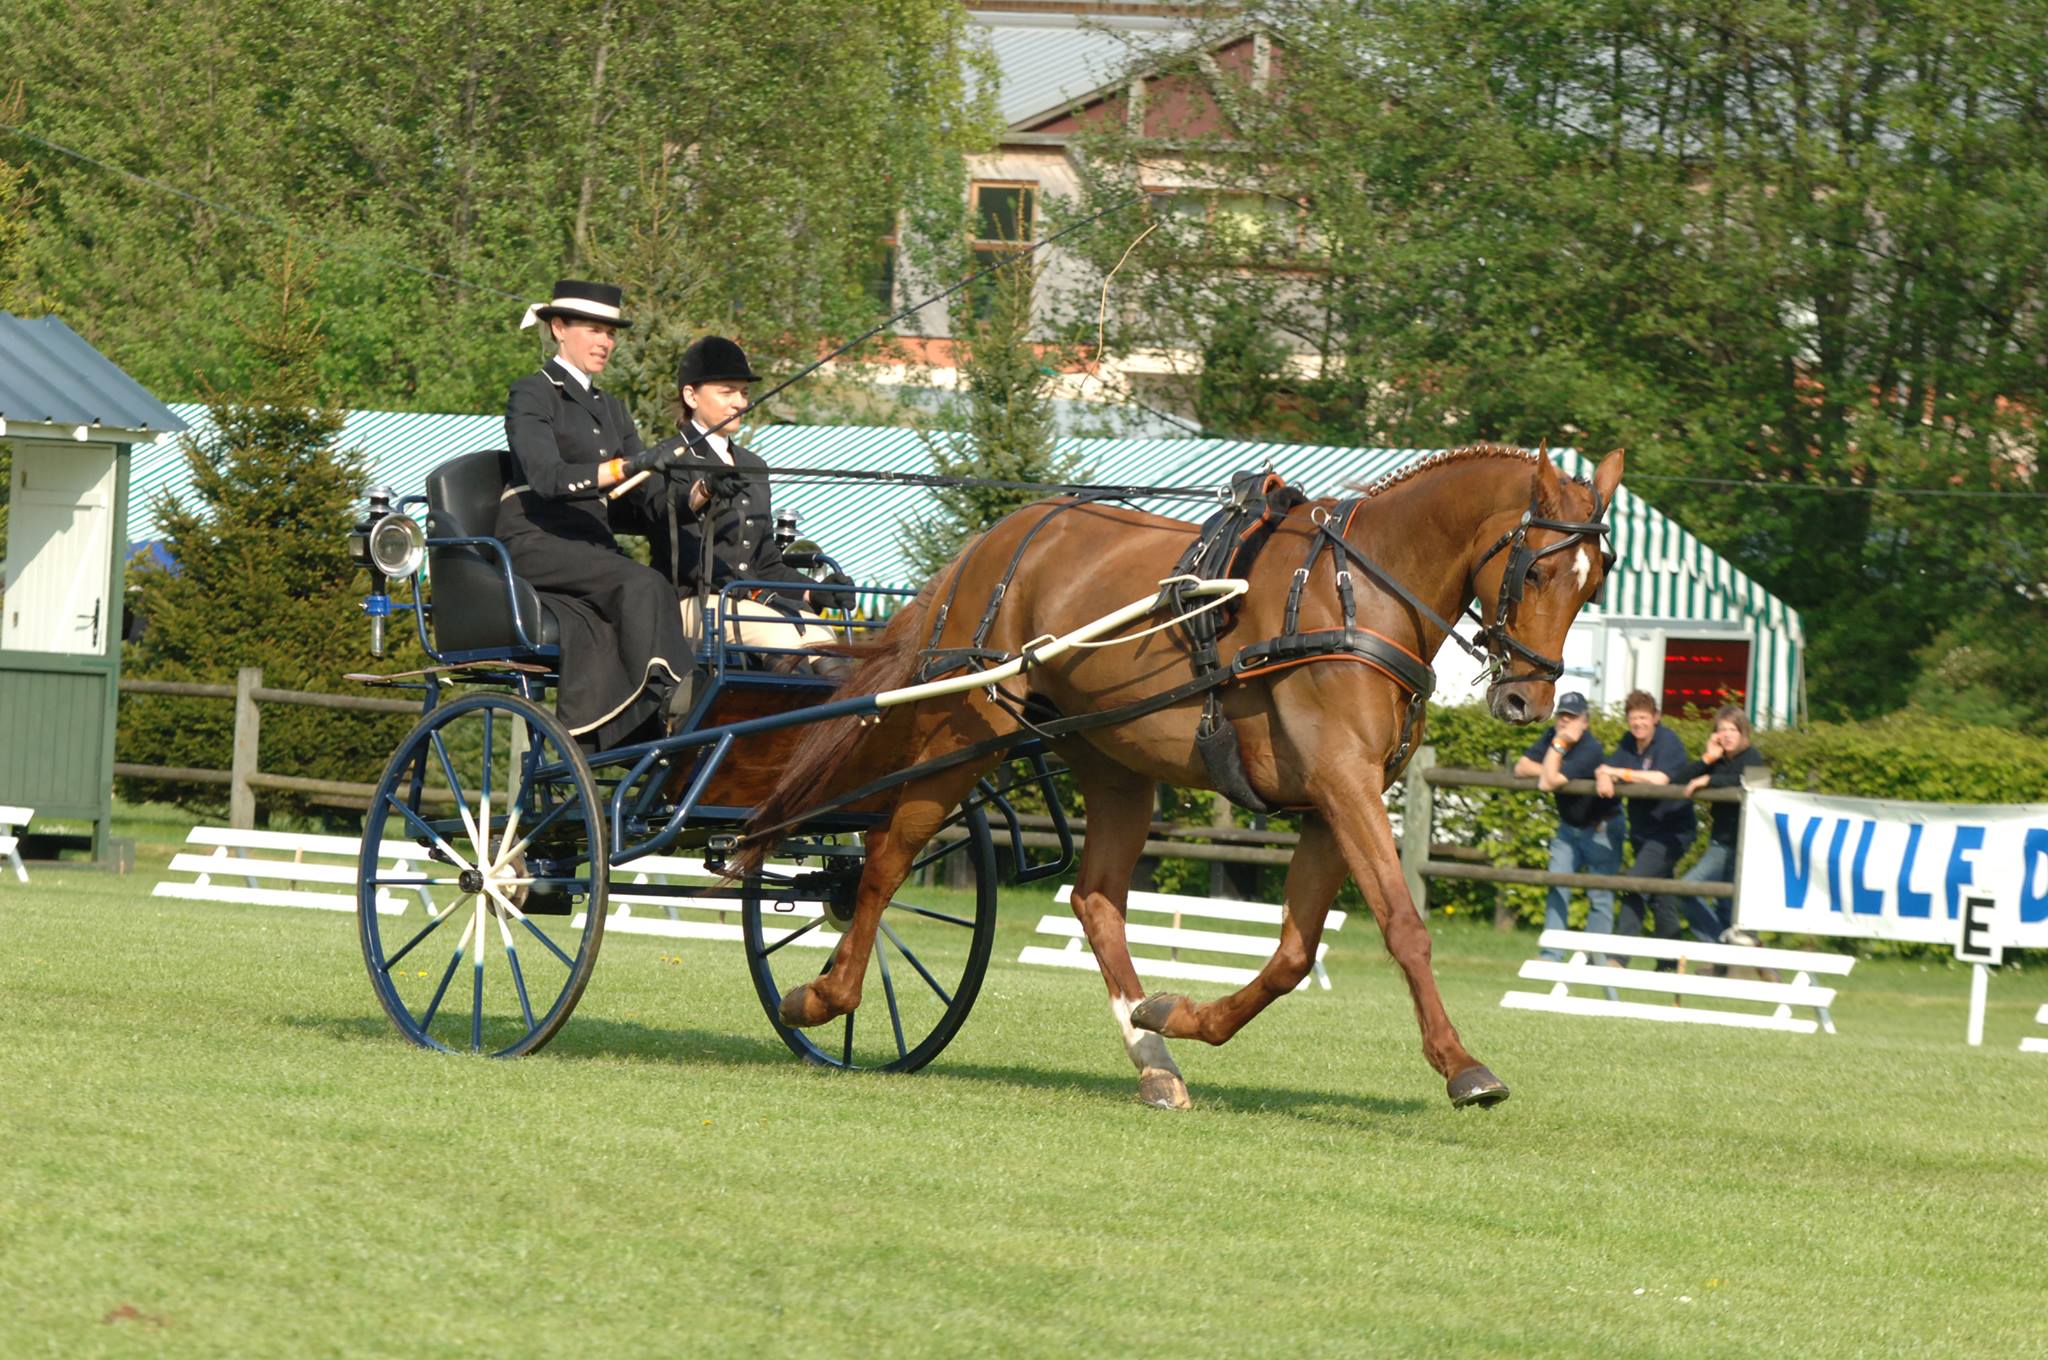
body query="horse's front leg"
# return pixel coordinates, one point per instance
(1358, 817)
(1314, 875)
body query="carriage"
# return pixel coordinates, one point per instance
(869, 840)
(526, 835)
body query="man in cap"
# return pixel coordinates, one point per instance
(726, 511)
(623, 645)
(1588, 837)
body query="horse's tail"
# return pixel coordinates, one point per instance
(887, 663)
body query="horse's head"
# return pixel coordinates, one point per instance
(1533, 581)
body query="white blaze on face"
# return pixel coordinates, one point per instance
(1582, 567)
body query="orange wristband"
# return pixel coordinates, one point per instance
(618, 467)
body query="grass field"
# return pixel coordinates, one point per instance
(216, 1145)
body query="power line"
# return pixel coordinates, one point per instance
(244, 215)
(1934, 493)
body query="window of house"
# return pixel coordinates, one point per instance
(1239, 223)
(1004, 214)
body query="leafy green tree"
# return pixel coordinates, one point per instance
(260, 576)
(999, 428)
(707, 159)
(1797, 248)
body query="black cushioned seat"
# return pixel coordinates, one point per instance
(470, 611)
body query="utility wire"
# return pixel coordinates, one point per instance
(1931, 493)
(245, 215)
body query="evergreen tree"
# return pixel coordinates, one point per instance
(260, 575)
(1000, 427)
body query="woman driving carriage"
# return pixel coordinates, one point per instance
(727, 504)
(622, 641)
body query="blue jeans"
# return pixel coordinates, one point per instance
(1592, 849)
(1706, 920)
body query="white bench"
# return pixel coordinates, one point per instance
(12, 821)
(1682, 987)
(671, 921)
(1176, 937)
(317, 872)
(2035, 1043)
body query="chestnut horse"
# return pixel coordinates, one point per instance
(1319, 736)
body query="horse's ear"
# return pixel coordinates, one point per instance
(1607, 477)
(1549, 486)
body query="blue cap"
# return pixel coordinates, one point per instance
(1572, 703)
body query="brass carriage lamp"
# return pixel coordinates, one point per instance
(387, 543)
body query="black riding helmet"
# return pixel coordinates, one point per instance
(714, 359)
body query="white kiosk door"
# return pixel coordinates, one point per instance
(59, 548)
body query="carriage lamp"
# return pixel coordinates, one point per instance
(386, 542)
(785, 527)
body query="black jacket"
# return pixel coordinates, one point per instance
(559, 433)
(742, 528)
(1725, 773)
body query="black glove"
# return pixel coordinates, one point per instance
(834, 592)
(724, 483)
(656, 459)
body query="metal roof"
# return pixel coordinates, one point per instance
(1049, 60)
(48, 373)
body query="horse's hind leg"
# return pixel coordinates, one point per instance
(1119, 804)
(1314, 874)
(920, 811)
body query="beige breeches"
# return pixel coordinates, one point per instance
(752, 624)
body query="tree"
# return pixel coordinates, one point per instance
(1001, 426)
(447, 172)
(1796, 248)
(260, 575)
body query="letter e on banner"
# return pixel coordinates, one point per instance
(1975, 942)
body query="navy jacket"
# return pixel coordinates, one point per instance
(1658, 819)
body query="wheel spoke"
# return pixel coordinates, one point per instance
(936, 853)
(914, 962)
(425, 931)
(423, 829)
(889, 995)
(553, 814)
(486, 775)
(541, 935)
(807, 927)
(447, 975)
(846, 1046)
(928, 913)
(518, 978)
(454, 785)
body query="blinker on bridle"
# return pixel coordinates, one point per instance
(1500, 646)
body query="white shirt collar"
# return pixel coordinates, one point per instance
(718, 442)
(582, 378)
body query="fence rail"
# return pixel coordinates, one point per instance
(1422, 857)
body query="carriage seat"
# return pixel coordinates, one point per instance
(470, 610)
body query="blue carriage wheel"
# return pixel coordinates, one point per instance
(930, 953)
(481, 885)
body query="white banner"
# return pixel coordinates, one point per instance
(1813, 865)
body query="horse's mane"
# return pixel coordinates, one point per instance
(1463, 454)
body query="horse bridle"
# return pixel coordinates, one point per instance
(1500, 646)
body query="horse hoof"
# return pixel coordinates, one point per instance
(1163, 1089)
(795, 1009)
(1476, 1086)
(1155, 1010)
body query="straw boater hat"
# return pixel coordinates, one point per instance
(580, 301)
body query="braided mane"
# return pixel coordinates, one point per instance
(1464, 454)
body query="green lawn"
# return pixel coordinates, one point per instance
(216, 1145)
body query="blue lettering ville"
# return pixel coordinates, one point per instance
(1969, 840)
(1864, 901)
(1912, 902)
(2033, 862)
(1798, 867)
(1841, 838)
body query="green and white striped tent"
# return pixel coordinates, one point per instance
(1668, 587)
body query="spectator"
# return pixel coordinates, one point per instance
(1588, 836)
(1659, 829)
(1721, 766)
